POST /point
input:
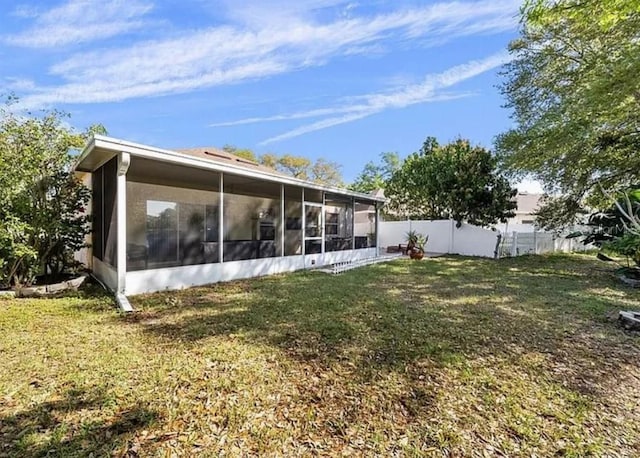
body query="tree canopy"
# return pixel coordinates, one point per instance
(574, 92)
(321, 171)
(455, 180)
(375, 175)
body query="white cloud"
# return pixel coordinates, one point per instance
(79, 21)
(257, 13)
(25, 11)
(259, 48)
(19, 84)
(367, 105)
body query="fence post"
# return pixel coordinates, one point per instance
(535, 241)
(452, 241)
(514, 246)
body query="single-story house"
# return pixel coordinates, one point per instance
(166, 219)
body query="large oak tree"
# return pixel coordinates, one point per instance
(574, 92)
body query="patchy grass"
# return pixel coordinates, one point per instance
(452, 356)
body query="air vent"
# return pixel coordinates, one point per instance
(221, 156)
(229, 157)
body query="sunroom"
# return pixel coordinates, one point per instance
(172, 219)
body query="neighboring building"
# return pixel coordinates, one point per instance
(171, 219)
(528, 204)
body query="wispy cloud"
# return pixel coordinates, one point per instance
(350, 117)
(78, 21)
(363, 106)
(257, 13)
(257, 49)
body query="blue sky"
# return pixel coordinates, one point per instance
(343, 80)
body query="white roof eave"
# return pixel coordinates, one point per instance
(164, 155)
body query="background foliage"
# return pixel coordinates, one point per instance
(574, 92)
(321, 171)
(456, 181)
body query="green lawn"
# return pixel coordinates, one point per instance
(445, 356)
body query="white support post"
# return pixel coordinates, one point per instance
(282, 220)
(304, 226)
(514, 247)
(124, 159)
(452, 237)
(221, 221)
(377, 226)
(322, 222)
(353, 223)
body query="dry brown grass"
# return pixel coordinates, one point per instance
(448, 356)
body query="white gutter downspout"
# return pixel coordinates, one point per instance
(124, 159)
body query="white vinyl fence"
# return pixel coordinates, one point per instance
(536, 242)
(469, 240)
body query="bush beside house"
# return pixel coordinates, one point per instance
(42, 203)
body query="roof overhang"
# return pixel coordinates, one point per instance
(101, 149)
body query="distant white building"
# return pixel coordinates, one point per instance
(528, 204)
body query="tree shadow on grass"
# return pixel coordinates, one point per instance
(68, 427)
(394, 344)
(385, 317)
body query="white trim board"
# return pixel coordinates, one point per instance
(105, 273)
(171, 278)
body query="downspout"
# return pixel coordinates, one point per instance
(124, 160)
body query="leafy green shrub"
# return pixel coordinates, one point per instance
(614, 230)
(627, 245)
(42, 202)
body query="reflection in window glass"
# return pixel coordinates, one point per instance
(110, 209)
(293, 221)
(313, 246)
(313, 221)
(313, 195)
(166, 233)
(162, 231)
(365, 225)
(252, 220)
(174, 223)
(338, 223)
(104, 209)
(313, 229)
(97, 203)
